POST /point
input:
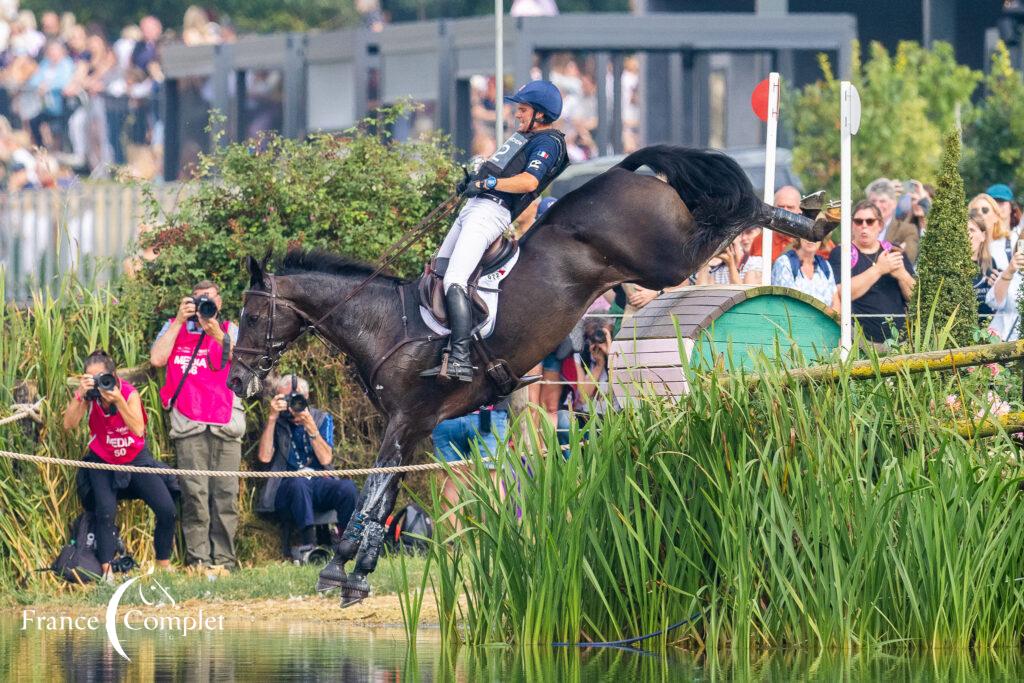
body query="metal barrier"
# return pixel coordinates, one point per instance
(88, 228)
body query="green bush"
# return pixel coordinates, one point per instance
(354, 195)
(945, 271)
(907, 100)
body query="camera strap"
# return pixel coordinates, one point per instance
(191, 360)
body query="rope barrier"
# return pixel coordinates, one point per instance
(354, 472)
(31, 411)
(23, 410)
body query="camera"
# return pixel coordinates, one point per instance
(296, 401)
(205, 308)
(105, 381)
(598, 336)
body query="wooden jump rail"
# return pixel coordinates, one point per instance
(887, 366)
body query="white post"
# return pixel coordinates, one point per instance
(846, 234)
(499, 73)
(770, 142)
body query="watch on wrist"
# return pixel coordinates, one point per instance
(491, 182)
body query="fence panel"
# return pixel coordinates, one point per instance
(88, 229)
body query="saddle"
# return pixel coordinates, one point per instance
(430, 287)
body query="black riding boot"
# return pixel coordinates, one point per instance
(459, 365)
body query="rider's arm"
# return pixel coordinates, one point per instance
(518, 184)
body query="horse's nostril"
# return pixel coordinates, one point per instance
(235, 384)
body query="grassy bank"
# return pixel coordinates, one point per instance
(832, 516)
(271, 581)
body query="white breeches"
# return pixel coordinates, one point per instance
(480, 222)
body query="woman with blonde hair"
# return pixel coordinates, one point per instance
(987, 272)
(1001, 239)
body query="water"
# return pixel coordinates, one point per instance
(313, 652)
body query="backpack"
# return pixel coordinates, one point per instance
(410, 520)
(819, 264)
(77, 562)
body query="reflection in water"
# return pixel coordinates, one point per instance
(310, 652)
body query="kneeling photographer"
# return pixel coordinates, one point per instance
(300, 437)
(117, 424)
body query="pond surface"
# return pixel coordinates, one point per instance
(30, 651)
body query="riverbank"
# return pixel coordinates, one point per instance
(272, 593)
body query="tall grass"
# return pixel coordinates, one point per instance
(834, 516)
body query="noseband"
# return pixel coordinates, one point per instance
(271, 352)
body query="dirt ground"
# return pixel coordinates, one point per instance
(383, 610)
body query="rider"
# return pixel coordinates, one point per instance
(503, 187)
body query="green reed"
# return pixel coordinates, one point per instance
(834, 516)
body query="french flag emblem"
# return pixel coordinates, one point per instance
(543, 155)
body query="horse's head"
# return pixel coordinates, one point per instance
(268, 324)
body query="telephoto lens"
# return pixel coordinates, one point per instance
(105, 381)
(297, 402)
(205, 306)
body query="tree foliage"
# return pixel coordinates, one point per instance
(945, 271)
(907, 100)
(353, 195)
(994, 130)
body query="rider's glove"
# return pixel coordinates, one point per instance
(480, 186)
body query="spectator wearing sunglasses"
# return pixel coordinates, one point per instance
(1001, 239)
(1009, 210)
(882, 277)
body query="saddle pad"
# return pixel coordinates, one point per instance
(487, 288)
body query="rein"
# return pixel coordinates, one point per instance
(399, 247)
(271, 352)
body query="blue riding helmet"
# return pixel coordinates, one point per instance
(543, 96)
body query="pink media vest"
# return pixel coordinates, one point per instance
(112, 441)
(204, 396)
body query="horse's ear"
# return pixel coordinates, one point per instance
(256, 272)
(266, 258)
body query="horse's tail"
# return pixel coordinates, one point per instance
(711, 184)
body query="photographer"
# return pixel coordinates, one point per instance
(206, 421)
(117, 424)
(589, 379)
(300, 437)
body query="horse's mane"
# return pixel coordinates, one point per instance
(320, 261)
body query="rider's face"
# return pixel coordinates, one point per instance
(524, 116)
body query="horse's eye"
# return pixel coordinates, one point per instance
(253, 318)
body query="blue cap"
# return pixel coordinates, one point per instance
(543, 96)
(1000, 192)
(545, 204)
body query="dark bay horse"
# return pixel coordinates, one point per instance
(619, 227)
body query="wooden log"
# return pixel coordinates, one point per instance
(887, 366)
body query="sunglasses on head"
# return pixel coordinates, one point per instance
(865, 221)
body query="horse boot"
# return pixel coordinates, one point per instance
(333, 575)
(820, 221)
(455, 362)
(356, 587)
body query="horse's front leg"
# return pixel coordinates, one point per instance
(365, 531)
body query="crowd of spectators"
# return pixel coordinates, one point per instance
(580, 111)
(76, 100)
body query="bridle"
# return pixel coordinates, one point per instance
(272, 351)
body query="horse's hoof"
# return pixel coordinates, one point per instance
(354, 590)
(332, 576)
